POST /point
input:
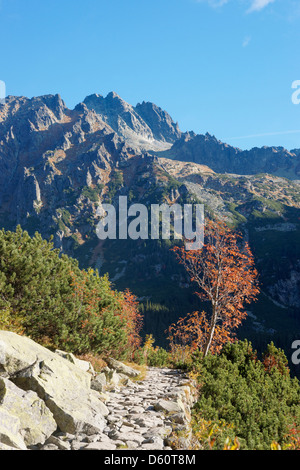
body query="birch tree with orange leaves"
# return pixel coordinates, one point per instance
(224, 272)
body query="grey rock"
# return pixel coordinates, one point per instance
(86, 366)
(132, 444)
(36, 420)
(137, 416)
(99, 382)
(161, 432)
(137, 410)
(93, 438)
(179, 418)
(59, 443)
(65, 436)
(125, 429)
(154, 440)
(100, 446)
(129, 436)
(122, 368)
(167, 406)
(50, 447)
(78, 445)
(112, 379)
(10, 431)
(153, 446)
(63, 387)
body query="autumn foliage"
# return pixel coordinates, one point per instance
(99, 303)
(225, 275)
(132, 320)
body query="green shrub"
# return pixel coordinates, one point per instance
(159, 357)
(152, 356)
(258, 398)
(92, 193)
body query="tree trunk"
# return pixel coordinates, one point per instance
(211, 331)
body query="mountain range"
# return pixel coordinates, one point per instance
(58, 164)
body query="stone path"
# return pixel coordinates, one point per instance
(142, 415)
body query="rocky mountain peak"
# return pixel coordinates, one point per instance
(108, 106)
(145, 127)
(56, 104)
(114, 96)
(160, 122)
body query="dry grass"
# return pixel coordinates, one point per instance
(97, 362)
(142, 369)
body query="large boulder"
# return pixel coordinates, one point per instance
(63, 386)
(36, 422)
(99, 382)
(83, 365)
(122, 368)
(168, 406)
(113, 379)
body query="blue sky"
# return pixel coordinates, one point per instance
(220, 66)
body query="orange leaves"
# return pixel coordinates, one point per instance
(94, 301)
(132, 317)
(232, 446)
(189, 331)
(293, 438)
(192, 332)
(227, 278)
(275, 359)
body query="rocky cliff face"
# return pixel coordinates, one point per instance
(223, 158)
(162, 125)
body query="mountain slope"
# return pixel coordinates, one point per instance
(57, 165)
(223, 158)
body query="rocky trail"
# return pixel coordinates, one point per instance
(54, 401)
(142, 415)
